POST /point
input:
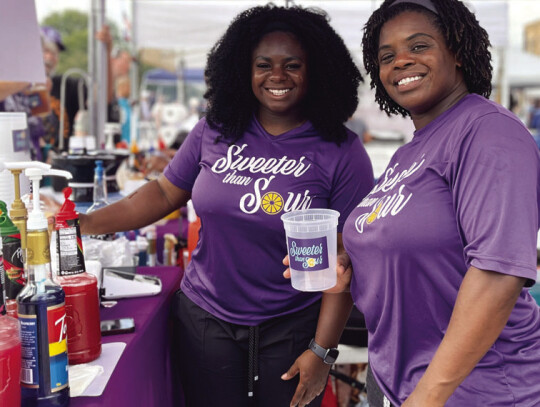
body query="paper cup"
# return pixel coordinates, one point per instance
(312, 248)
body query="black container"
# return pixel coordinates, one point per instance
(82, 166)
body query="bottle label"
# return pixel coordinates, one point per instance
(55, 324)
(13, 265)
(29, 351)
(69, 249)
(57, 328)
(38, 250)
(308, 254)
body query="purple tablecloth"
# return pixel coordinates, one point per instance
(142, 376)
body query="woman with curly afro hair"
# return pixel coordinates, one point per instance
(444, 244)
(281, 84)
(332, 77)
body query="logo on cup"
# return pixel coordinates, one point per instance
(308, 254)
(20, 141)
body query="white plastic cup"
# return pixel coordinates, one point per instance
(312, 248)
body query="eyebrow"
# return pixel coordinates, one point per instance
(291, 58)
(409, 38)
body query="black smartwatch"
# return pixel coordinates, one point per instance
(328, 356)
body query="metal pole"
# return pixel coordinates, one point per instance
(91, 68)
(133, 66)
(504, 86)
(101, 80)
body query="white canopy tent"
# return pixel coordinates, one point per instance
(522, 69)
(191, 28)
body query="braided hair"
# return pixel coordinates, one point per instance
(333, 77)
(464, 37)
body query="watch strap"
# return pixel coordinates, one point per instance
(328, 356)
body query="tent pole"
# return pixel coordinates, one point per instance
(102, 85)
(134, 66)
(91, 69)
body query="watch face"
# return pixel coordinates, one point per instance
(331, 355)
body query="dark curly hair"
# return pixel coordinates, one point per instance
(333, 77)
(464, 37)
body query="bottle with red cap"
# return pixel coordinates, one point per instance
(82, 301)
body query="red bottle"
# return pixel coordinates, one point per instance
(82, 301)
(10, 353)
(193, 235)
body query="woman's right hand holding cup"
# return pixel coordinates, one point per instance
(343, 270)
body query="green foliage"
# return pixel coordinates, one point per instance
(67, 22)
(73, 26)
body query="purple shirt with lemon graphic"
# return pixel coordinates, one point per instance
(464, 192)
(239, 191)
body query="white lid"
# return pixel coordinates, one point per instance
(36, 218)
(36, 221)
(142, 243)
(191, 214)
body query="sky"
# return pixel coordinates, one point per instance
(521, 12)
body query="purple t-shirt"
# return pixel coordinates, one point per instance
(240, 192)
(464, 192)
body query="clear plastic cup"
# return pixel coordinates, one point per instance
(312, 248)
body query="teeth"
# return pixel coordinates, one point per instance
(278, 92)
(405, 81)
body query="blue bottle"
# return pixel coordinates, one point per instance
(42, 319)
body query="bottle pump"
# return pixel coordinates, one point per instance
(13, 231)
(18, 212)
(42, 314)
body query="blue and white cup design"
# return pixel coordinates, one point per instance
(308, 254)
(312, 248)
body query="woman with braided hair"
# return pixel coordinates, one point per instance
(444, 244)
(281, 85)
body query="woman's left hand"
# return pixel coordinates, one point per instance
(313, 377)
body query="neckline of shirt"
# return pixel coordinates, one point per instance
(435, 123)
(286, 135)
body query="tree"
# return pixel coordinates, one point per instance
(73, 27)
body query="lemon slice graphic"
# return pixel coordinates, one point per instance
(311, 262)
(272, 203)
(373, 215)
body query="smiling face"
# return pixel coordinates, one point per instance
(417, 69)
(279, 78)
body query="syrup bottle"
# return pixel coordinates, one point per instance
(100, 188)
(42, 316)
(13, 267)
(100, 197)
(10, 352)
(80, 287)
